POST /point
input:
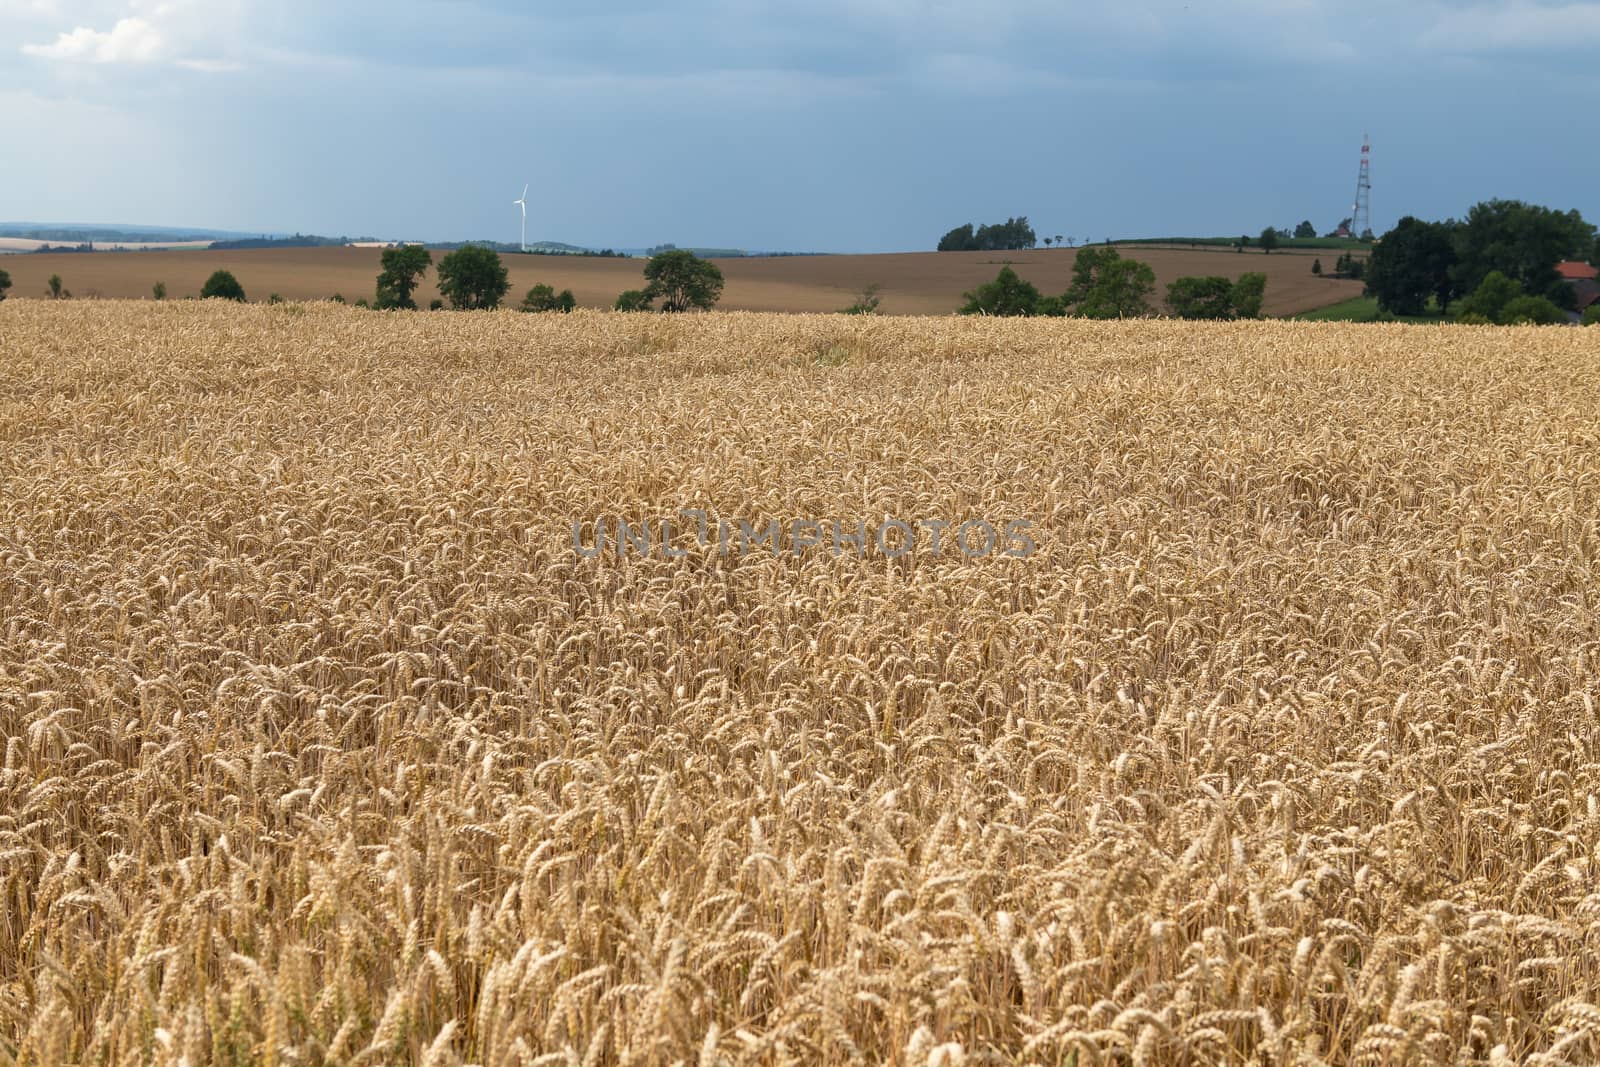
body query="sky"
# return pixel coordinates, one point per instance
(830, 125)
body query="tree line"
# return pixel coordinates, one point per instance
(1107, 285)
(1499, 262)
(1008, 236)
(474, 278)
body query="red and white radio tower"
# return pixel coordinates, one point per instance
(1361, 214)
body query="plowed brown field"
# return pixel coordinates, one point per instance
(914, 283)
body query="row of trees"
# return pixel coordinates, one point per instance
(1419, 261)
(1105, 285)
(1007, 236)
(1307, 231)
(1014, 234)
(474, 278)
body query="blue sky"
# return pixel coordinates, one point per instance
(832, 125)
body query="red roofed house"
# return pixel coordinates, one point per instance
(1585, 282)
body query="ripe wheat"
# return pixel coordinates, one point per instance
(322, 745)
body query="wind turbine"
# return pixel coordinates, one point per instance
(522, 202)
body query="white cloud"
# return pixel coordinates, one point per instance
(131, 40)
(184, 33)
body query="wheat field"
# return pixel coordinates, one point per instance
(326, 742)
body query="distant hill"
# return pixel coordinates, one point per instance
(298, 240)
(116, 233)
(1324, 243)
(717, 253)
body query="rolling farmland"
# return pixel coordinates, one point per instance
(324, 742)
(923, 283)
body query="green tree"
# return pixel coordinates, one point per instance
(1106, 286)
(960, 239)
(5, 283)
(403, 267)
(1248, 294)
(1592, 316)
(1594, 254)
(1491, 296)
(222, 285)
(159, 290)
(1522, 241)
(633, 300)
(1562, 295)
(1201, 298)
(1531, 310)
(472, 278)
(1305, 230)
(1316, 267)
(1268, 240)
(682, 280)
(544, 298)
(54, 290)
(1414, 261)
(1008, 294)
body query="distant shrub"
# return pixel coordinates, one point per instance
(1491, 296)
(866, 302)
(1201, 298)
(1592, 316)
(1008, 294)
(1248, 294)
(1216, 297)
(159, 290)
(633, 300)
(1531, 311)
(223, 286)
(544, 298)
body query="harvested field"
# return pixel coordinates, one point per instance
(920, 283)
(323, 744)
